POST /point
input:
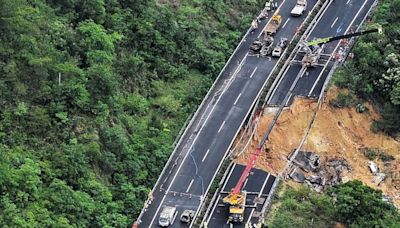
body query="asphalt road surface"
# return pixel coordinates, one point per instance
(341, 17)
(258, 185)
(199, 156)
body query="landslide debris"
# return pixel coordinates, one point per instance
(340, 137)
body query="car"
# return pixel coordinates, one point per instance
(280, 47)
(187, 216)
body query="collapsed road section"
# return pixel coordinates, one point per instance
(199, 154)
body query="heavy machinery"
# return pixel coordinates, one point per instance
(274, 24)
(237, 197)
(313, 50)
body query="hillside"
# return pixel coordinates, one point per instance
(335, 134)
(93, 95)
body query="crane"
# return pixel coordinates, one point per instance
(313, 49)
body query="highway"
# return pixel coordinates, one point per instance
(258, 185)
(199, 155)
(340, 18)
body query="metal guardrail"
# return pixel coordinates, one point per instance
(255, 106)
(184, 130)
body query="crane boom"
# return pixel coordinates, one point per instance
(246, 171)
(330, 39)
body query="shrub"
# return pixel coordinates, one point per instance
(343, 100)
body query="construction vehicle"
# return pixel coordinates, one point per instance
(237, 197)
(167, 216)
(274, 24)
(277, 52)
(299, 8)
(187, 216)
(313, 50)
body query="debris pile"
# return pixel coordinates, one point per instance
(378, 177)
(338, 134)
(308, 168)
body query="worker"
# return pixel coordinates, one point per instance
(254, 25)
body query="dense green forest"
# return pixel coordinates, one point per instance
(93, 94)
(374, 74)
(352, 204)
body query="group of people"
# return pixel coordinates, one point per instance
(269, 5)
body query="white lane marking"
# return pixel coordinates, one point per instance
(323, 70)
(204, 158)
(173, 220)
(240, 94)
(334, 22)
(222, 125)
(286, 23)
(244, 185)
(287, 102)
(190, 185)
(277, 10)
(259, 194)
(348, 1)
(252, 73)
(191, 146)
(277, 85)
(212, 211)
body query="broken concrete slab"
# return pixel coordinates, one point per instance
(308, 161)
(297, 175)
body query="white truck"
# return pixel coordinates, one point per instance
(167, 216)
(299, 8)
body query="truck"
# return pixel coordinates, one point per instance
(277, 52)
(236, 206)
(273, 25)
(167, 216)
(299, 8)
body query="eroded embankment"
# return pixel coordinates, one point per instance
(336, 133)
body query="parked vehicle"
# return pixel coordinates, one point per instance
(280, 47)
(167, 216)
(187, 216)
(274, 24)
(299, 8)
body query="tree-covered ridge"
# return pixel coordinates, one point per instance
(352, 204)
(375, 71)
(93, 94)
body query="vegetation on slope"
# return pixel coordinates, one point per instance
(93, 94)
(375, 71)
(353, 204)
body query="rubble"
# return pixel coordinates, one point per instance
(337, 134)
(307, 168)
(307, 160)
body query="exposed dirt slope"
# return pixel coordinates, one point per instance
(335, 133)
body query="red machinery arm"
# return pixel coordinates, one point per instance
(246, 171)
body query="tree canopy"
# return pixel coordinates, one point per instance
(93, 94)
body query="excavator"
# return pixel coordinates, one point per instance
(313, 49)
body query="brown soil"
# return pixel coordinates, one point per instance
(335, 133)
